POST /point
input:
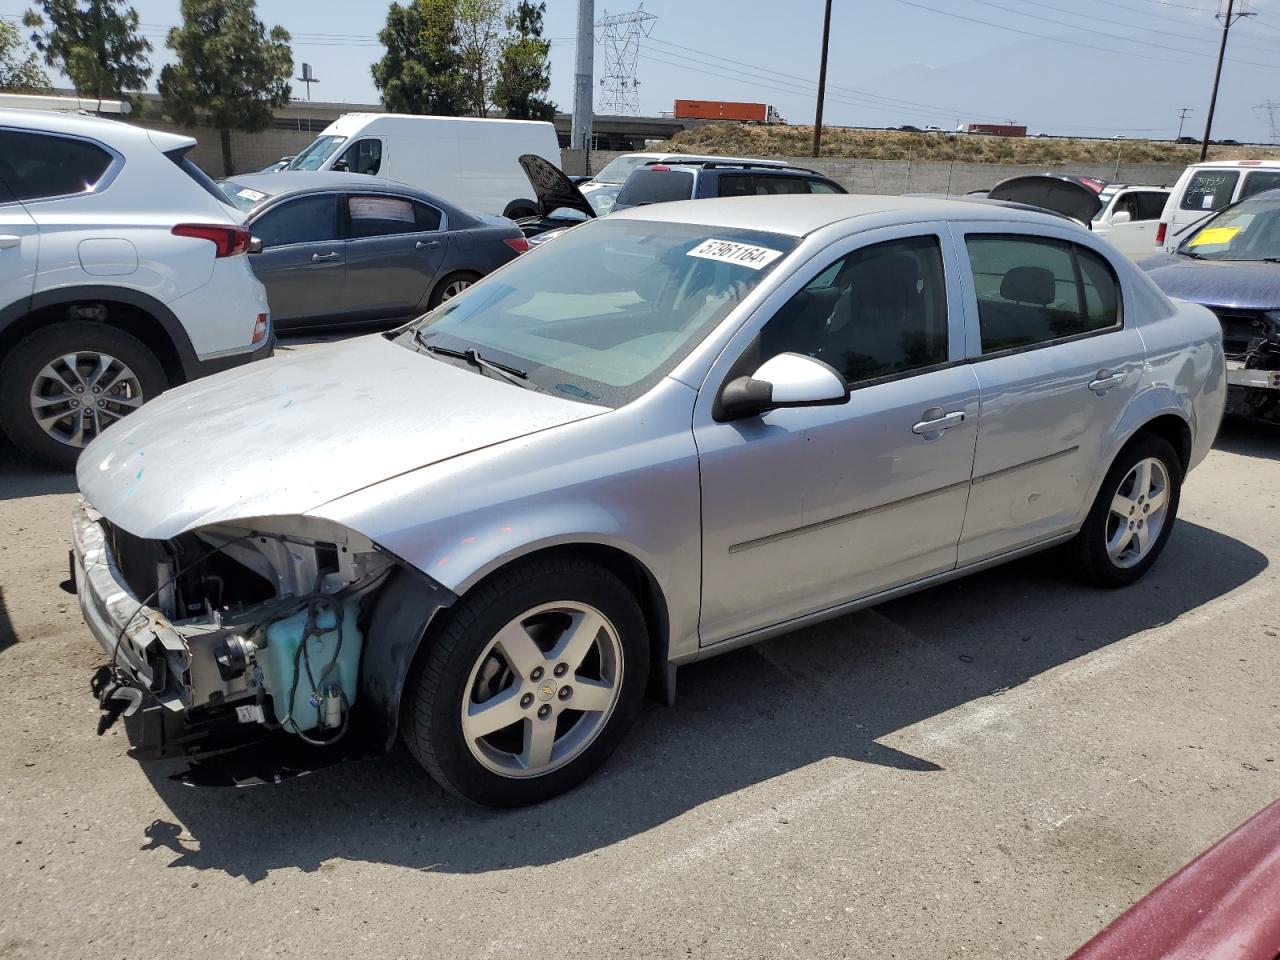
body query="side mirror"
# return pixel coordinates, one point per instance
(341, 165)
(787, 380)
(255, 244)
(1121, 216)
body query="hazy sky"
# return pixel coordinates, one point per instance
(1061, 66)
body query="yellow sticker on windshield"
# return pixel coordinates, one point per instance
(1214, 235)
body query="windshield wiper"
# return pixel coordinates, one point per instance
(511, 374)
(1190, 253)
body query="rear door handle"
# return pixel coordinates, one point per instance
(331, 255)
(8, 240)
(423, 244)
(1105, 380)
(936, 421)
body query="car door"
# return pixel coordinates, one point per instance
(806, 508)
(1056, 365)
(302, 263)
(19, 245)
(394, 249)
(1136, 237)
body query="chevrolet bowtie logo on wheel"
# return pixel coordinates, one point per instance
(546, 691)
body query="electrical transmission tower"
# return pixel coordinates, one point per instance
(1269, 112)
(621, 35)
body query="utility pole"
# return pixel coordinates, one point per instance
(822, 81)
(1182, 118)
(580, 132)
(1227, 21)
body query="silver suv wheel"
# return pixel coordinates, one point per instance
(76, 396)
(542, 689)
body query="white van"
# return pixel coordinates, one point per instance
(1206, 188)
(470, 161)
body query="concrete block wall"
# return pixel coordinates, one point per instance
(893, 177)
(249, 151)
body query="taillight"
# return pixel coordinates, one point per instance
(518, 244)
(260, 327)
(227, 241)
(659, 168)
(1160, 232)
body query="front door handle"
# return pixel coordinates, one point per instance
(1105, 380)
(8, 240)
(936, 420)
(331, 255)
(423, 244)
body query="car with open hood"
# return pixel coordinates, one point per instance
(1079, 198)
(677, 430)
(1231, 264)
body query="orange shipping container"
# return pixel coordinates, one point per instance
(721, 110)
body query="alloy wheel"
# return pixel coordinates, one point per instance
(1138, 511)
(76, 396)
(453, 289)
(542, 689)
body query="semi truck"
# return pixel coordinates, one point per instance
(726, 110)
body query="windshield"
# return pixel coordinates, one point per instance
(1249, 230)
(316, 153)
(609, 308)
(1106, 196)
(245, 198)
(655, 185)
(618, 169)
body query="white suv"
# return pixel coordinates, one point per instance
(122, 272)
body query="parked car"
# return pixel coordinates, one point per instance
(1231, 264)
(1129, 217)
(562, 205)
(1221, 904)
(122, 272)
(676, 430)
(469, 161)
(341, 248)
(1205, 188)
(278, 165)
(601, 189)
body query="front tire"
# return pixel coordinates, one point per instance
(1133, 515)
(530, 683)
(61, 386)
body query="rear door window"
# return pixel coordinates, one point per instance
(1210, 190)
(820, 186)
(41, 166)
(1150, 204)
(1260, 181)
(770, 186)
(656, 186)
(304, 220)
(1034, 290)
(382, 216)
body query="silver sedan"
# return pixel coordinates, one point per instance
(675, 431)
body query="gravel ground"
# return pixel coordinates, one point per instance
(993, 768)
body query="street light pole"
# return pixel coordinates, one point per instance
(822, 81)
(580, 132)
(1217, 73)
(1182, 118)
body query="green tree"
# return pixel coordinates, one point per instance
(420, 71)
(19, 66)
(481, 25)
(227, 66)
(524, 69)
(95, 43)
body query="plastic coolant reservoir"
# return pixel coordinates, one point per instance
(278, 657)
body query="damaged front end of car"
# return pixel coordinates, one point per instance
(246, 632)
(1251, 342)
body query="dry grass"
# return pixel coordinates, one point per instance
(797, 141)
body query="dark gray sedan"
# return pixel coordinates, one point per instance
(340, 248)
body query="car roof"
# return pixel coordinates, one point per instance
(765, 167)
(1236, 163)
(105, 130)
(290, 182)
(798, 215)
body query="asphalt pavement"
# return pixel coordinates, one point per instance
(992, 768)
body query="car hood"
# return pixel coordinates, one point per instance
(1074, 197)
(1239, 286)
(552, 188)
(285, 435)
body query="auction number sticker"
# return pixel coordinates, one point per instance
(253, 196)
(743, 254)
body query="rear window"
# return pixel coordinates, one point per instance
(1260, 181)
(656, 186)
(1210, 190)
(37, 165)
(240, 196)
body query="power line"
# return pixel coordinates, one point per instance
(1138, 26)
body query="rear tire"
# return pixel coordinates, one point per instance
(1132, 517)
(530, 683)
(450, 286)
(91, 374)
